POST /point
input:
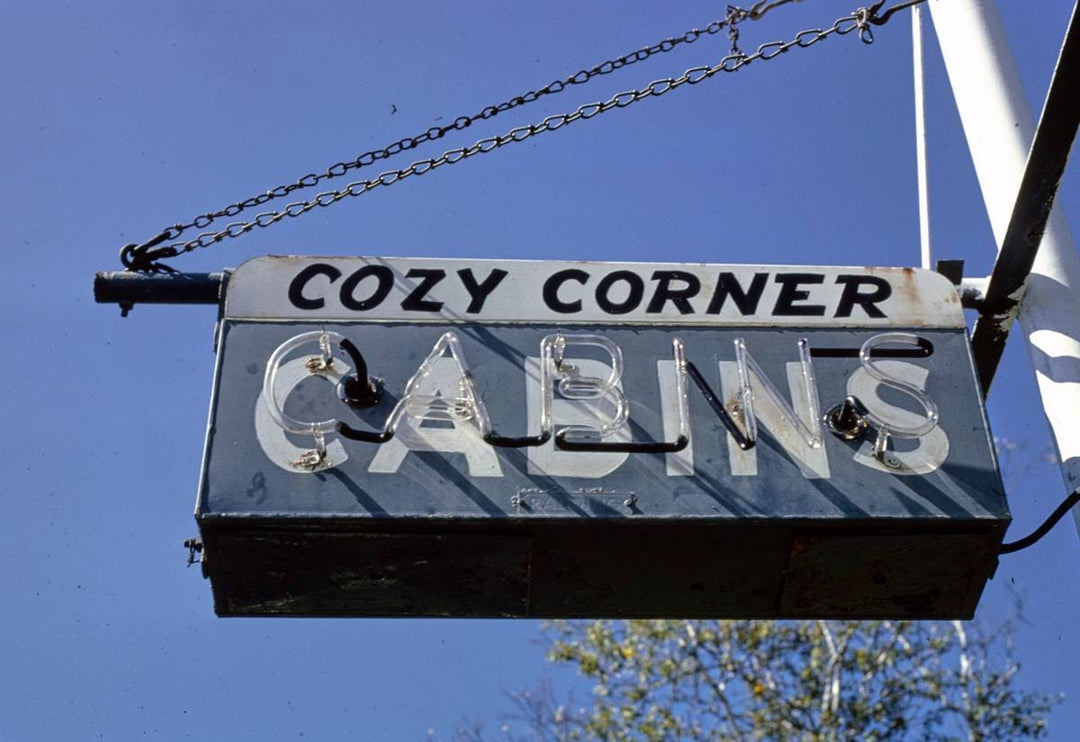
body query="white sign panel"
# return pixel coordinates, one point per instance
(428, 289)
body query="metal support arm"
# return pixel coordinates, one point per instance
(128, 288)
(1042, 175)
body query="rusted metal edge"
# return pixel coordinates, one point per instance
(1042, 176)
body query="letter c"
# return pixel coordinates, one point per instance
(551, 290)
(296, 286)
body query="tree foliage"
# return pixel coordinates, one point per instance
(806, 680)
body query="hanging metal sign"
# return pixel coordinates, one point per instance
(522, 438)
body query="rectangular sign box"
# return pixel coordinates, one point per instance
(426, 437)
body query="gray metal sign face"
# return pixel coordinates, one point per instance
(520, 393)
(432, 466)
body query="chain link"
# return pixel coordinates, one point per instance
(143, 258)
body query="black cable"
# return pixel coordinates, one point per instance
(358, 388)
(621, 447)
(718, 407)
(1042, 530)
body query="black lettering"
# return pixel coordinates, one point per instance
(747, 301)
(551, 290)
(383, 275)
(791, 293)
(633, 299)
(480, 291)
(415, 301)
(296, 286)
(880, 291)
(679, 297)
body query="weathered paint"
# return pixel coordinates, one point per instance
(611, 534)
(488, 291)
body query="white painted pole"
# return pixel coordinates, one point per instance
(920, 137)
(999, 127)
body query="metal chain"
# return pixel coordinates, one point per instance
(146, 256)
(131, 254)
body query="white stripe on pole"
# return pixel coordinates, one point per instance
(999, 127)
(920, 137)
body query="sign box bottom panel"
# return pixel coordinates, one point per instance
(545, 569)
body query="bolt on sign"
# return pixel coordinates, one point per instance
(414, 437)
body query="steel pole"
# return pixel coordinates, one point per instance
(999, 127)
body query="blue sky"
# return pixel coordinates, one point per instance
(124, 117)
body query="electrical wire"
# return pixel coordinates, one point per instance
(1067, 504)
